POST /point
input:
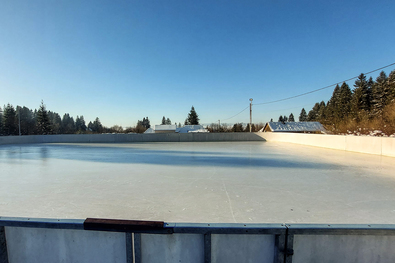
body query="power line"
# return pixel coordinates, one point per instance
(303, 94)
(306, 93)
(236, 114)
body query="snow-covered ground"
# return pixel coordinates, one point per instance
(246, 182)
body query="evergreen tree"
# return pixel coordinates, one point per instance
(391, 87)
(168, 121)
(97, 126)
(291, 118)
(247, 128)
(345, 100)
(56, 122)
(238, 127)
(9, 120)
(80, 124)
(333, 110)
(313, 113)
(285, 118)
(193, 118)
(1, 122)
(281, 119)
(163, 121)
(146, 123)
(42, 120)
(271, 120)
(379, 92)
(303, 115)
(361, 95)
(68, 124)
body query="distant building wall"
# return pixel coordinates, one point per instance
(362, 144)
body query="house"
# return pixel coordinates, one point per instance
(300, 127)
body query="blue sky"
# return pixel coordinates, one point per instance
(125, 60)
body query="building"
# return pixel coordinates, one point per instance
(300, 127)
(165, 128)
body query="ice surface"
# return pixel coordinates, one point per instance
(244, 182)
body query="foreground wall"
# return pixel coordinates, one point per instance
(362, 144)
(127, 241)
(118, 138)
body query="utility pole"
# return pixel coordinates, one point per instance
(250, 113)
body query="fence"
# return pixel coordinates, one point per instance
(106, 240)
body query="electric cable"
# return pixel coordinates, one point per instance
(309, 92)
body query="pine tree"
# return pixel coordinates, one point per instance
(68, 124)
(168, 121)
(56, 122)
(345, 101)
(1, 122)
(80, 126)
(9, 120)
(391, 87)
(379, 92)
(42, 120)
(163, 121)
(291, 118)
(313, 113)
(193, 118)
(303, 115)
(281, 119)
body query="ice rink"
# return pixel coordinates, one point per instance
(243, 182)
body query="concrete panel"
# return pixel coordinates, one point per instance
(60, 245)
(388, 146)
(341, 248)
(336, 142)
(172, 248)
(242, 248)
(363, 144)
(119, 138)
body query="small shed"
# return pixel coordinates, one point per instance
(300, 127)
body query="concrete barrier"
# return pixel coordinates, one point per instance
(362, 144)
(119, 138)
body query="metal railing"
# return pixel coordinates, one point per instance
(35, 240)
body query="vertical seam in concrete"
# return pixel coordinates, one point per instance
(137, 247)
(129, 247)
(207, 248)
(3, 246)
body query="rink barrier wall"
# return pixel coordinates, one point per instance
(119, 138)
(362, 144)
(126, 241)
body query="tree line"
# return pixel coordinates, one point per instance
(22, 120)
(368, 106)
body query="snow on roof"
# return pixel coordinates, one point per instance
(305, 126)
(165, 127)
(191, 128)
(149, 130)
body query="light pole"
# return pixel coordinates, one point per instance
(250, 113)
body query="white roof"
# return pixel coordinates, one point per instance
(165, 127)
(304, 126)
(191, 128)
(149, 130)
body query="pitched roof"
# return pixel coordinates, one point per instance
(305, 126)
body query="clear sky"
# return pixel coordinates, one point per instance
(125, 60)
